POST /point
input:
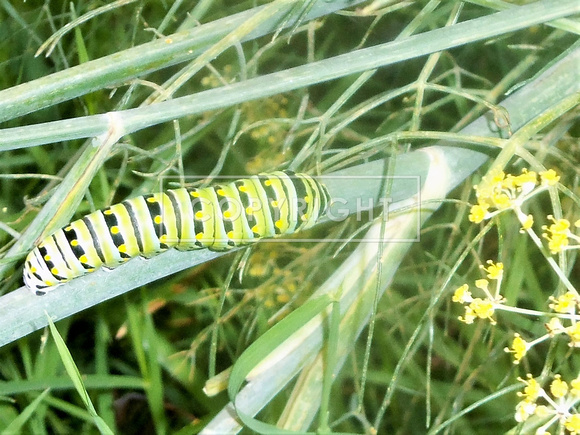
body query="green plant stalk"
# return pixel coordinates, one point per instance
(360, 60)
(266, 15)
(330, 354)
(118, 68)
(526, 133)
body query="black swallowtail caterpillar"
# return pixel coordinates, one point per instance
(218, 217)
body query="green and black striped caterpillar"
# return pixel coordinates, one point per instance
(218, 217)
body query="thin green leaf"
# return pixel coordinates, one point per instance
(76, 377)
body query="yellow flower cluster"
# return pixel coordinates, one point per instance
(567, 304)
(558, 234)
(497, 193)
(482, 308)
(557, 404)
(500, 192)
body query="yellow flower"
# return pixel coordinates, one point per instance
(575, 384)
(508, 183)
(549, 177)
(477, 213)
(557, 234)
(574, 334)
(483, 308)
(462, 294)
(558, 387)
(557, 243)
(560, 225)
(526, 178)
(523, 410)
(469, 316)
(501, 200)
(527, 223)
(494, 270)
(531, 390)
(565, 304)
(497, 177)
(519, 348)
(572, 423)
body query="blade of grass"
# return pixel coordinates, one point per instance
(144, 341)
(261, 348)
(76, 377)
(17, 425)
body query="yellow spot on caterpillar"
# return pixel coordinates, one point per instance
(274, 204)
(33, 269)
(255, 229)
(49, 282)
(69, 228)
(279, 224)
(115, 229)
(199, 236)
(194, 193)
(47, 258)
(230, 235)
(199, 215)
(243, 189)
(108, 212)
(268, 183)
(308, 199)
(91, 269)
(83, 259)
(157, 219)
(54, 271)
(163, 238)
(249, 211)
(304, 217)
(74, 242)
(221, 192)
(152, 199)
(122, 248)
(227, 214)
